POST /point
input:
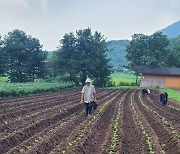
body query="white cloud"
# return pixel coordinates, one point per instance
(49, 20)
(21, 3)
(43, 4)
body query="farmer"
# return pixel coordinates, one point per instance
(145, 92)
(88, 96)
(163, 98)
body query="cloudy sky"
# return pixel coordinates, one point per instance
(49, 20)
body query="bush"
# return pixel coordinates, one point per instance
(111, 83)
(4, 80)
(127, 84)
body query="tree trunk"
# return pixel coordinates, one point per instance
(136, 79)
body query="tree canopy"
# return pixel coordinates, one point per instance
(148, 50)
(82, 55)
(173, 58)
(24, 56)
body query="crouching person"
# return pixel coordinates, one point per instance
(145, 92)
(88, 96)
(163, 98)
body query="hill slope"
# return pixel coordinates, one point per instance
(117, 53)
(172, 30)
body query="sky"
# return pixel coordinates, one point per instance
(49, 20)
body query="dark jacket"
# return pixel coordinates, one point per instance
(144, 92)
(163, 97)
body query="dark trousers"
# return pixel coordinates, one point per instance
(88, 108)
(163, 103)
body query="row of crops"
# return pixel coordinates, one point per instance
(124, 122)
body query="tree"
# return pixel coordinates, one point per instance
(65, 58)
(2, 58)
(173, 59)
(158, 49)
(51, 65)
(36, 59)
(147, 50)
(100, 63)
(82, 55)
(24, 55)
(137, 50)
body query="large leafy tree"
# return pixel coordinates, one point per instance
(100, 63)
(36, 59)
(66, 57)
(51, 65)
(173, 59)
(148, 50)
(24, 55)
(82, 55)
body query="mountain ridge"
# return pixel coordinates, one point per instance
(172, 30)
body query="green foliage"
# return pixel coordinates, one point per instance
(85, 127)
(147, 50)
(111, 83)
(24, 57)
(2, 58)
(51, 65)
(127, 84)
(114, 137)
(173, 59)
(82, 55)
(121, 79)
(19, 89)
(164, 120)
(148, 138)
(4, 79)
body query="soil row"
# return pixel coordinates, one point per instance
(54, 123)
(167, 141)
(27, 132)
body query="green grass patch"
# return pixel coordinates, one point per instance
(125, 87)
(4, 79)
(173, 94)
(20, 89)
(121, 79)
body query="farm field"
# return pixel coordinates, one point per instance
(55, 123)
(121, 79)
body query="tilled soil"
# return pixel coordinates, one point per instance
(56, 123)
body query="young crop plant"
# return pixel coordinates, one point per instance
(22, 150)
(36, 140)
(164, 120)
(167, 104)
(85, 127)
(114, 137)
(148, 139)
(173, 107)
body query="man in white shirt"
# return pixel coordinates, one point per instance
(88, 96)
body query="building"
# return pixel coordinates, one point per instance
(159, 77)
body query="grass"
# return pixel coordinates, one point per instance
(125, 87)
(20, 89)
(121, 79)
(4, 80)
